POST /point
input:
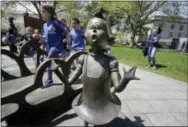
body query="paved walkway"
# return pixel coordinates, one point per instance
(158, 100)
(154, 100)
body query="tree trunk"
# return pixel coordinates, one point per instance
(54, 4)
(185, 48)
(37, 8)
(132, 42)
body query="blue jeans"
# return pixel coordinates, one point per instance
(151, 55)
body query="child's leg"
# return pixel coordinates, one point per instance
(53, 53)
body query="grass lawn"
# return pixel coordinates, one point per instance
(172, 64)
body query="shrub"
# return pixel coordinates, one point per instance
(162, 44)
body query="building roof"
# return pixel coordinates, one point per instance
(171, 19)
(160, 16)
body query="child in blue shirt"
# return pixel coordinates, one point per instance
(108, 50)
(77, 39)
(52, 36)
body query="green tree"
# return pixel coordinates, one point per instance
(37, 5)
(134, 15)
(63, 9)
(68, 10)
(6, 7)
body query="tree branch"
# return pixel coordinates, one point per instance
(60, 10)
(37, 8)
(26, 8)
(54, 4)
(159, 5)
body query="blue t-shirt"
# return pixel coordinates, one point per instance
(153, 39)
(53, 30)
(108, 50)
(77, 39)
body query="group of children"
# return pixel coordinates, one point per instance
(58, 39)
(29, 32)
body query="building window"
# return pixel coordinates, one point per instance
(172, 26)
(186, 34)
(170, 35)
(181, 28)
(179, 35)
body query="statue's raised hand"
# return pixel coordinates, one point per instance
(127, 76)
(130, 74)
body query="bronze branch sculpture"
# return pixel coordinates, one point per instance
(19, 58)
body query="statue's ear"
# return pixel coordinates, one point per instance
(102, 13)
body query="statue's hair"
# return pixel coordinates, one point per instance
(102, 13)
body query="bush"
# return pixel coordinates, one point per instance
(162, 44)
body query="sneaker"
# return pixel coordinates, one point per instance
(154, 67)
(147, 66)
(47, 83)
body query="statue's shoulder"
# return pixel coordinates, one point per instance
(82, 58)
(113, 63)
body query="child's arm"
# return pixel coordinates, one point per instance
(38, 37)
(157, 39)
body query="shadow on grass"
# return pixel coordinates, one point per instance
(161, 66)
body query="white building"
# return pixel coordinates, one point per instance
(170, 28)
(18, 21)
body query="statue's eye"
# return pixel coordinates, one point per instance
(96, 27)
(99, 27)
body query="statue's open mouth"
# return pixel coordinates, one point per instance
(94, 38)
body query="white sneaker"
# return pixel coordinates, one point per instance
(148, 66)
(154, 67)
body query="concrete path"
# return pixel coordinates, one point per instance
(158, 100)
(154, 100)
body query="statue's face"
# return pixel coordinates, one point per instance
(96, 32)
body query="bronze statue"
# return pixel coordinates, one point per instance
(98, 104)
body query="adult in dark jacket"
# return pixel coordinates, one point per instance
(152, 42)
(11, 36)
